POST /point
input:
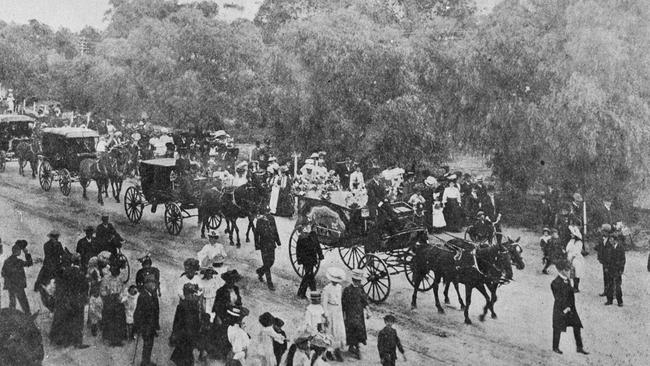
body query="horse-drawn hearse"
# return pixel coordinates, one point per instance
(14, 128)
(363, 244)
(62, 151)
(159, 184)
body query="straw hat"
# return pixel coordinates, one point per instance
(577, 197)
(430, 181)
(335, 274)
(358, 274)
(315, 297)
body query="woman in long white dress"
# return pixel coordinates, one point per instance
(331, 296)
(574, 256)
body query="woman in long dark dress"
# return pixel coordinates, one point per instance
(452, 211)
(113, 313)
(227, 297)
(355, 302)
(285, 200)
(70, 299)
(185, 331)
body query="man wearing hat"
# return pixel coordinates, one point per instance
(308, 254)
(147, 270)
(614, 265)
(544, 244)
(87, 248)
(600, 247)
(482, 229)
(212, 252)
(108, 239)
(13, 272)
(266, 240)
(355, 303)
(146, 318)
(564, 309)
(481, 190)
(388, 343)
(54, 253)
(344, 170)
(492, 206)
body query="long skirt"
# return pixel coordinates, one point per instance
(275, 194)
(336, 326)
(453, 215)
(285, 203)
(220, 343)
(95, 306)
(183, 354)
(113, 320)
(68, 322)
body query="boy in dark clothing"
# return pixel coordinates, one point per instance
(279, 348)
(308, 254)
(13, 272)
(387, 341)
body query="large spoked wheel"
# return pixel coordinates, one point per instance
(214, 222)
(293, 244)
(377, 285)
(133, 204)
(125, 266)
(427, 282)
(173, 218)
(45, 175)
(352, 257)
(65, 182)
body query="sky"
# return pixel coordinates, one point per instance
(72, 14)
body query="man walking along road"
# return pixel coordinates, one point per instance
(146, 318)
(308, 254)
(266, 240)
(13, 272)
(614, 264)
(564, 309)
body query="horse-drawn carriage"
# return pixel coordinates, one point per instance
(361, 243)
(63, 149)
(14, 128)
(159, 184)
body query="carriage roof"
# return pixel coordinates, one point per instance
(4, 118)
(71, 132)
(162, 162)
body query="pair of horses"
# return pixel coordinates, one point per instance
(485, 268)
(111, 167)
(246, 201)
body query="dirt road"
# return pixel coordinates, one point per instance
(520, 336)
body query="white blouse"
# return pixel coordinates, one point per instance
(240, 341)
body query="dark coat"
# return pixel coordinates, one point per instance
(492, 211)
(13, 271)
(387, 342)
(222, 300)
(185, 332)
(344, 172)
(614, 258)
(266, 234)
(147, 314)
(564, 298)
(182, 166)
(107, 237)
(86, 249)
(54, 253)
(308, 250)
(354, 300)
(142, 274)
(376, 193)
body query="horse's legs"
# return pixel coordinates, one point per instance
(417, 278)
(232, 229)
(21, 164)
(250, 226)
(83, 186)
(493, 292)
(460, 299)
(488, 302)
(468, 301)
(436, 284)
(34, 166)
(446, 291)
(236, 228)
(100, 183)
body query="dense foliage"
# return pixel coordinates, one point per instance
(550, 90)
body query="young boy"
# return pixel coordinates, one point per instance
(279, 348)
(387, 341)
(13, 272)
(130, 300)
(544, 242)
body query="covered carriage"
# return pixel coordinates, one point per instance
(361, 244)
(63, 149)
(14, 128)
(159, 185)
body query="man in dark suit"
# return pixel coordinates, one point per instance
(13, 272)
(344, 170)
(600, 247)
(492, 206)
(54, 253)
(376, 194)
(146, 318)
(564, 309)
(87, 248)
(614, 265)
(266, 240)
(308, 254)
(107, 237)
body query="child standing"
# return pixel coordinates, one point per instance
(130, 300)
(314, 315)
(388, 341)
(279, 348)
(333, 310)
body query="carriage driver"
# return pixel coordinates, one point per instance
(182, 170)
(107, 237)
(379, 206)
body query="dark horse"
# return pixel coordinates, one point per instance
(27, 153)
(488, 266)
(245, 201)
(119, 159)
(97, 170)
(21, 342)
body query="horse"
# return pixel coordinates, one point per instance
(21, 342)
(120, 160)
(210, 204)
(27, 153)
(486, 267)
(97, 170)
(246, 201)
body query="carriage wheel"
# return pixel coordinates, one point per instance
(133, 204)
(293, 243)
(65, 182)
(173, 218)
(377, 285)
(45, 175)
(214, 222)
(126, 266)
(352, 257)
(427, 282)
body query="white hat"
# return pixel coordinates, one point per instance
(118, 133)
(335, 274)
(309, 162)
(220, 133)
(575, 231)
(452, 177)
(136, 136)
(358, 274)
(430, 181)
(315, 155)
(273, 158)
(164, 130)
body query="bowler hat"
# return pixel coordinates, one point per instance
(89, 229)
(54, 234)
(390, 318)
(231, 276)
(22, 244)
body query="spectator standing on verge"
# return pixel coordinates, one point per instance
(146, 318)
(266, 240)
(388, 342)
(308, 254)
(564, 309)
(332, 294)
(355, 304)
(13, 272)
